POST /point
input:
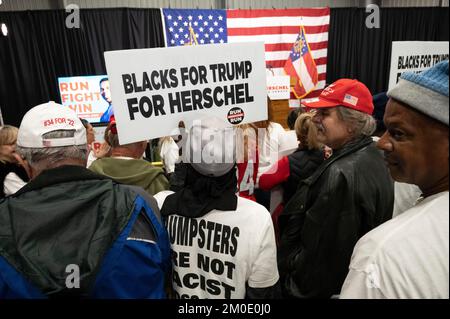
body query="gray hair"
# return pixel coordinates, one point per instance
(48, 157)
(360, 123)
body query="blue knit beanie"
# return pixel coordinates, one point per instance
(426, 91)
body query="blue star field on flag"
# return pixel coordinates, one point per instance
(209, 26)
(300, 47)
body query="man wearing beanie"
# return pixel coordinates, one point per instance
(223, 245)
(408, 257)
(348, 195)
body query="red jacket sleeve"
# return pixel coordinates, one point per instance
(278, 173)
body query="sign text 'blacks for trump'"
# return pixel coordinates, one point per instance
(415, 56)
(157, 88)
(192, 99)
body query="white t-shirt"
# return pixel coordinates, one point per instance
(12, 184)
(405, 197)
(406, 257)
(288, 144)
(270, 147)
(169, 154)
(91, 158)
(217, 254)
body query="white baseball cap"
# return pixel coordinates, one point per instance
(49, 117)
(210, 147)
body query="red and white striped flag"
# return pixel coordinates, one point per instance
(278, 29)
(300, 66)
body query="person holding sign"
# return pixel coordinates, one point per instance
(228, 248)
(80, 234)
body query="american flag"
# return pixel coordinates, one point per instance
(277, 28)
(300, 66)
(208, 26)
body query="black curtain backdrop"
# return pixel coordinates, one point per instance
(39, 48)
(357, 52)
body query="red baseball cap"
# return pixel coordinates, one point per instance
(344, 92)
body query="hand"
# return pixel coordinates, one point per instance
(181, 139)
(23, 163)
(103, 151)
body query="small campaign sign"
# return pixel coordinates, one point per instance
(278, 87)
(83, 94)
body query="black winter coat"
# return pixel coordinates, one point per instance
(348, 195)
(302, 164)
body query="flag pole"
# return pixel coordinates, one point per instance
(192, 36)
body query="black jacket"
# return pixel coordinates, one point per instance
(302, 164)
(348, 195)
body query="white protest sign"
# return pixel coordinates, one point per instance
(415, 56)
(154, 89)
(278, 87)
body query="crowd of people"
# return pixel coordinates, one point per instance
(364, 210)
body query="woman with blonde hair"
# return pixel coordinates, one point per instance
(291, 169)
(12, 175)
